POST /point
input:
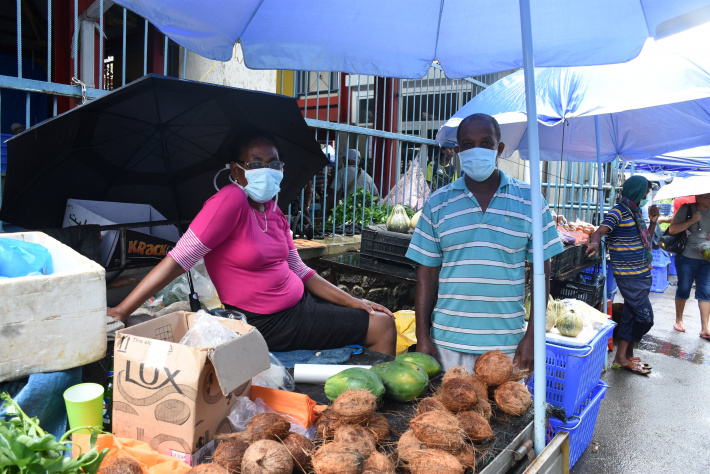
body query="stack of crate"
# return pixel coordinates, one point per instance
(659, 272)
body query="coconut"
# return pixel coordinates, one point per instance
(483, 408)
(494, 368)
(355, 406)
(379, 427)
(434, 460)
(439, 430)
(474, 425)
(267, 457)
(378, 463)
(513, 398)
(337, 458)
(267, 426)
(229, 453)
(466, 456)
(479, 386)
(326, 424)
(122, 466)
(211, 468)
(458, 394)
(358, 437)
(458, 371)
(409, 446)
(430, 404)
(301, 449)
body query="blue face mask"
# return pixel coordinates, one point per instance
(262, 184)
(478, 163)
(643, 202)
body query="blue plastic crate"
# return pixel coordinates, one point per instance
(661, 258)
(573, 372)
(665, 209)
(611, 285)
(671, 268)
(581, 426)
(660, 278)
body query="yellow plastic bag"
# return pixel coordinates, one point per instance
(406, 330)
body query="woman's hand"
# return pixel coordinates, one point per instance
(653, 213)
(370, 307)
(695, 218)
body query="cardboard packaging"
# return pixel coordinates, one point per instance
(175, 397)
(52, 322)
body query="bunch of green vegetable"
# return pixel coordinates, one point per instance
(350, 211)
(27, 448)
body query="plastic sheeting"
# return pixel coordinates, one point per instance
(401, 38)
(695, 159)
(654, 104)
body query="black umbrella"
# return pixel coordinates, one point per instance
(156, 141)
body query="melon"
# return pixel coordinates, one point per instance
(425, 361)
(353, 378)
(570, 324)
(403, 381)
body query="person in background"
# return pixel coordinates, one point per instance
(355, 176)
(256, 269)
(679, 201)
(471, 243)
(691, 265)
(629, 244)
(441, 170)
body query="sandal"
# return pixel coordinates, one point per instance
(636, 368)
(705, 336)
(678, 327)
(638, 359)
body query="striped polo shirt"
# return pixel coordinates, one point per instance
(482, 258)
(626, 251)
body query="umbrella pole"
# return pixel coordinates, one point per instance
(600, 199)
(539, 284)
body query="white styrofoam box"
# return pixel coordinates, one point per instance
(52, 322)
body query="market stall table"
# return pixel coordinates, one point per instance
(498, 453)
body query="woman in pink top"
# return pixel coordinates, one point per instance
(250, 256)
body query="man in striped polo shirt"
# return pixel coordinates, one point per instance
(471, 242)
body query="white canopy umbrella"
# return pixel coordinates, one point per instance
(689, 186)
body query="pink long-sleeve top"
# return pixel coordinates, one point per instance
(254, 270)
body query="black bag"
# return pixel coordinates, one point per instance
(675, 243)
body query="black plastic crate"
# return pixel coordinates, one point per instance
(581, 257)
(590, 293)
(564, 261)
(377, 242)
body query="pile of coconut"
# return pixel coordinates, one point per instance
(265, 447)
(350, 431)
(443, 435)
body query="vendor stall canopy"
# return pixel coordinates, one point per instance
(654, 104)
(401, 38)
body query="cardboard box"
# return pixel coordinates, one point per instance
(52, 322)
(175, 397)
(144, 245)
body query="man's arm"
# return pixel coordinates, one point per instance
(427, 285)
(525, 353)
(595, 240)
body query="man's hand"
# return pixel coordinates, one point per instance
(524, 354)
(694, 218)
(592, 248)
(653, 213)
(117, 313)
(425, 346)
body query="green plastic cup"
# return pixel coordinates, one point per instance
(85, 405)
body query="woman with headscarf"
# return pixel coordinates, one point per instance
(629, 243)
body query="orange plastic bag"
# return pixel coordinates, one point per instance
(151, 461)
(298, 405)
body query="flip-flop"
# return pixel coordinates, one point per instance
(678, 327)
(638, 359)
(636, 368)
(705, 336)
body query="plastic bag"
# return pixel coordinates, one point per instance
(245, 409)
(275, 376)
(179, 290)
(411, 190)
(207, 331)
(703, 249)
(406, 330)
(19, 258)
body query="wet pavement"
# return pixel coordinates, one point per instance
(658, 423)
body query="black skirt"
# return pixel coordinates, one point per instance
(313, 324)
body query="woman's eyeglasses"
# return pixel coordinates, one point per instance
(257, 165)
